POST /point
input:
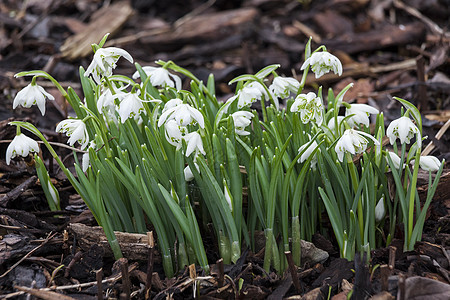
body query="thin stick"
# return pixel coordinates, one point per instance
(392, 250)
(125, 277)
(148, 282)
(99, 277)
(220, 280)
(385, 273)
(293, 271)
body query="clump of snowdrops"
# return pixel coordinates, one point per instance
(179, 159)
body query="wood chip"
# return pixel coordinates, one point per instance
(110, 19)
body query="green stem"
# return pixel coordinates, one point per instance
(354, 178)
(412, 195)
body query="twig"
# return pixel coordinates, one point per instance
(49, 295)
(148, 282)
(99, 277)
(392, 250)
(438, 136)
(125, 277)
(293, 271)
(29, 254)
(220, 280)
(414, 12)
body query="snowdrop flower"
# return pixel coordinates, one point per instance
(104, 62)
(53, 192)
(282, 86)
(30, 95)
(175, 133)
(310, 107)
(76, 130)
(402, 128)
(332, 125)
(249, 94)
(395, 159)
(241, 120)
(130, 106)
(194, 144)
(307, 153)
(361, 113)
(105, 101)
(182, 113)
(85, 162)
(322, 62)
(353, 142)
(160, 77)
(188, 175)
(21, 145)
(428, 163)
(380, 210)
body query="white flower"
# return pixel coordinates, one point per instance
(85, 162)
(130, 106)
(175, 133)
(105, 101)
(361, 113)
(322, 62)
(428, 163)
(241, 120)
(402, 128)
(380, 210)
(104, 62)
(354, 142)
(53, 192)
(395, 160)
(160, 77)
(310, 107)
(182, 113)
(194, 144)
(307, 153)
(248, 94)
(188, 175)
(332, 125)
(171, 104)
(30, 95)
(282, 86)
(21, 145)
(76, 130)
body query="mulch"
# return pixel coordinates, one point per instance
(388, 48)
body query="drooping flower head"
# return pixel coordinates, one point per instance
(310, 108)
(361, 113)
(182, 113)
(241, 120)
(160, 77)
(402, 128)
(104, 62)
(307, 153)
(249, 94)
(21, 145)
(175, 133)
(322, 62)
(396, 160)
(30, 95)
(353, 142)
(130, 106)
(282, 86)
(428, 163)
(194, 144)
(76, 131)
